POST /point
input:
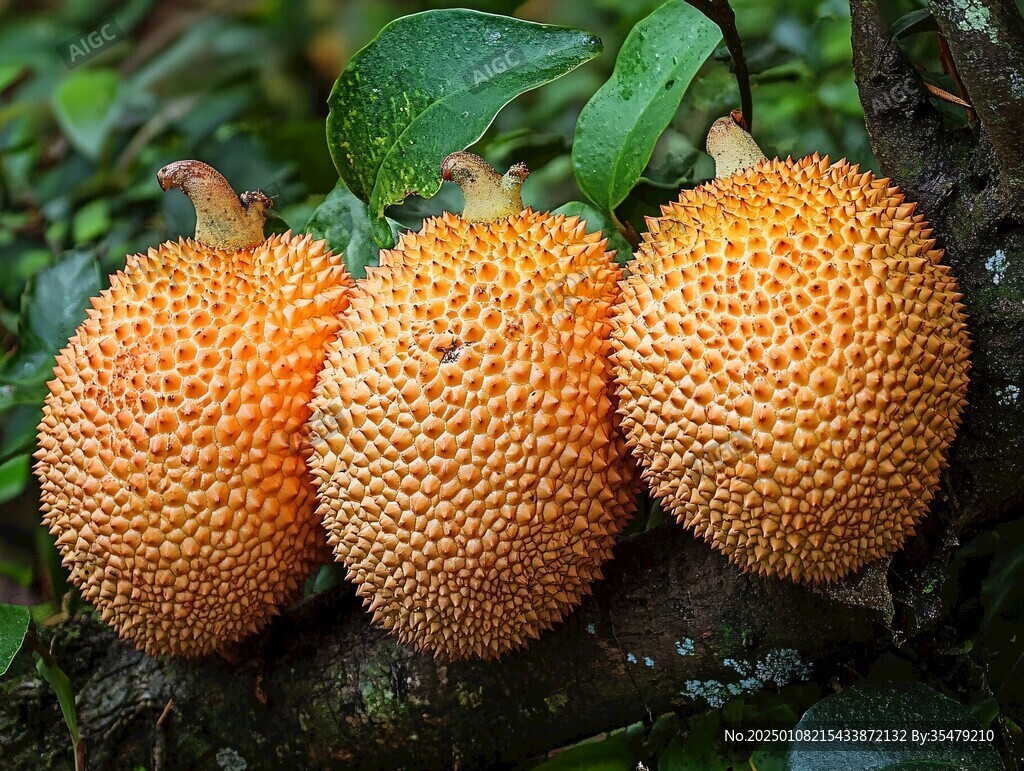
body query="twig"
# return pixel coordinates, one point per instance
(721, 13)
(950, 65)
(160, 738)
(626, 230)
(628, 670)
(165, 714)
(989, 60)
(941, 93)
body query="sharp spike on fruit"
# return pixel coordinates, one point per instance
(175, 363)
(761, 359)
(490, 406)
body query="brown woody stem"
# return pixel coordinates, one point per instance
(732, 148)
(223, 219)
(489, 195)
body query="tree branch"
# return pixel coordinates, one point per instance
(906, 130)
(722, 14)
(986, 40)
(324, 688)
(956, 179)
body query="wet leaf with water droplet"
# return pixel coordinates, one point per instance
(430, 84)
(619, 127)
(343, 222)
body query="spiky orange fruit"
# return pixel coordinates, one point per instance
(471, 476)
(792, 362)
(170, 459)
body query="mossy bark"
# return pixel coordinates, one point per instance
(324, 689)
(960, 178)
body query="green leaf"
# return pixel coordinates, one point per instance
(9, 73)
(61, 685)
(674, 162)
(53, 305)
(91, 221)
(430, 84)
(905, 706)
(55, 302)
(18, 573)
(672, 758)
(768, 759)
(84, 106)
(621, 751)
(327, 577)
(14, 477)
(619, 127)
(703, 746)
(18, 434)
(49, 562)
(1000, 591)
(13, 627)
(914, 22)
(598, 221)
(343, 222)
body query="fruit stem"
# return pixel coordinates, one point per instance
(489, 196)
(224, 220)
(732, 148)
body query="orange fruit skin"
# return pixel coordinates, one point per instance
(470, 471)
(171, 452)
(792, 357)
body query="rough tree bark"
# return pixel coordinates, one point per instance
(323, 688)
(960, 179)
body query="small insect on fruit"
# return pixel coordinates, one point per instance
(471, 474)
(170, 455)
(792, 361)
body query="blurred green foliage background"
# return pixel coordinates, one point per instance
(243, 86)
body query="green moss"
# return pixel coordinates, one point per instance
(469, 698)
(973, 16)
(376, 686)
(911, 166)
(731, 640)
(556, 702)
(378, 699)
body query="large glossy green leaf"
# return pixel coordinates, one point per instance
(53, 305)
(903, 707)
(598, 221)
(430, 84)
(344, 223)
(13, 626)
(619, 126)
(84, 105)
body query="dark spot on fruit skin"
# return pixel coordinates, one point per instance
(514, 329)
(451, 353)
